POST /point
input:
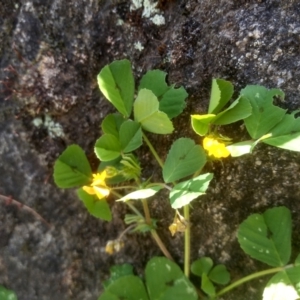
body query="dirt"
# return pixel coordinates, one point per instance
(50, 55)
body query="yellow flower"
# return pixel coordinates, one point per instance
(215, 148)
(114, 246)
(98, 187)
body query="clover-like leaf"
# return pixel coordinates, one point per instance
(185, 192)
(165, 281)
(264, 114)
(72, 169)
(183, 159)
(116, 82)
(171, 100)
(221, 92)
(96, 207)
(146, 112)
(267, 237)
(219, 275)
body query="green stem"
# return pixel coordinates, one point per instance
(161, 245)
(153, 151)
(146, 212)
(134, 209)
(187, 241)
(251, 277)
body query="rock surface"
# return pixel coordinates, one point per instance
(50, 54)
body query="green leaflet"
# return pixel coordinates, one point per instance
(111, 124)
(6, 294)
(221, 93)
(142, 194)
(116, 82)
(201, 123)
(72, 169)
(185, 192)
(127, 287)
(166, 281)
(267, 237)
(264, 115)
(183, 159)
(238, 110)
(146, 112)
(96, 207)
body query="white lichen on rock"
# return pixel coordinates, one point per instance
(54, 129)
(138, 46)
(150, 10)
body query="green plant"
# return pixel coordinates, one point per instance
(152, 110)
(265, 237)
(6, 294)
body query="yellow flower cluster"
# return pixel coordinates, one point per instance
(98, 186)
(215, 148)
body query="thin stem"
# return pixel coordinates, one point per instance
(146, 212)
(251, 277)
(187, 241)
(125, 231)
(10, 200)
(153, 151)
(161, 245)
(124, 187)
(134, 209)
